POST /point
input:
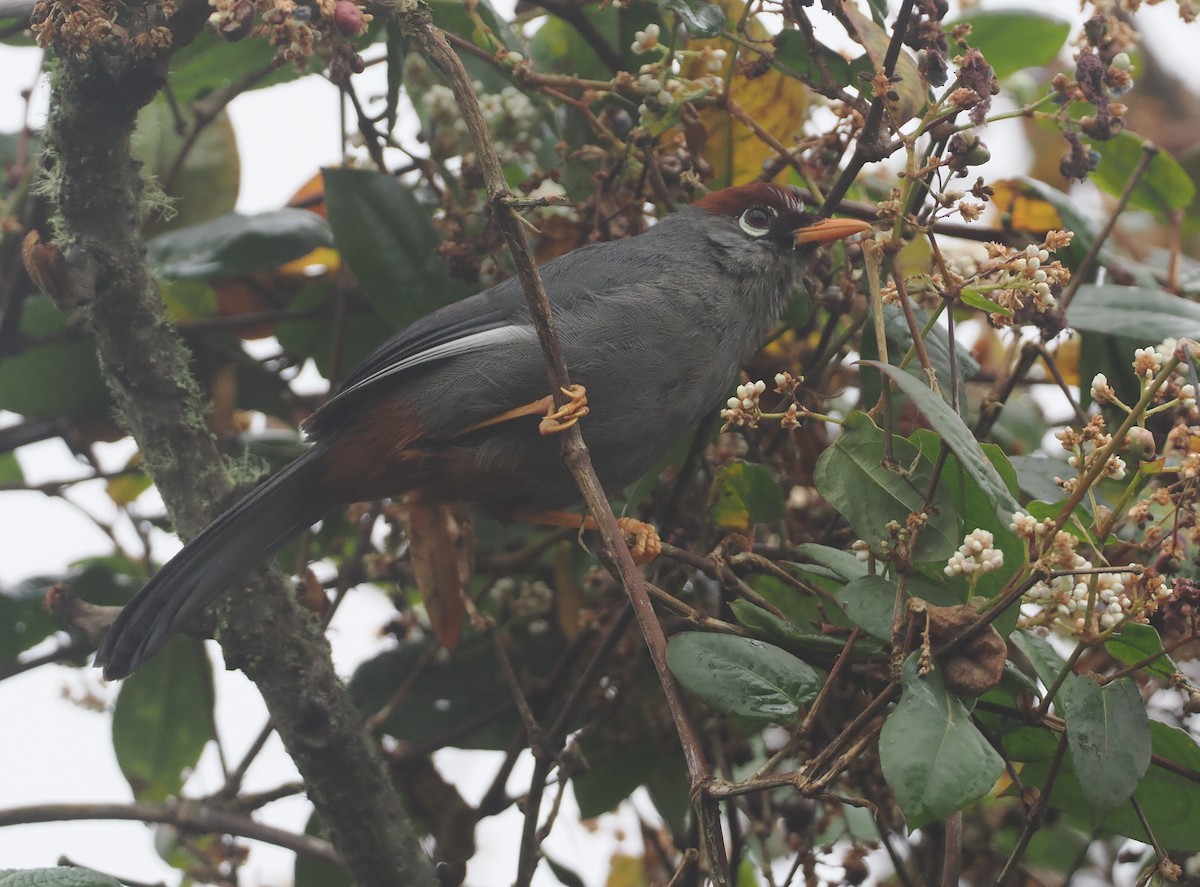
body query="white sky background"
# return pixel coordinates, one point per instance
(57, 751)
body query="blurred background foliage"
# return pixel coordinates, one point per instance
(862, 743)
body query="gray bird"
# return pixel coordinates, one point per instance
(654, 327)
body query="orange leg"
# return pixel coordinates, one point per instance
(643, 540)
(554, 419)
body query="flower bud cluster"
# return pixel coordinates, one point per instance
(662, 84)
(514, 121)
(1172, 393)
(743, 407)
(75, 27)
(976, 555)
(1029, 528)
(1023, 281)
(1065, 598)
(661, 97)
(1084, 447)
(528, 602)
(645, 41)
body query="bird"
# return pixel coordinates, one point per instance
(655, 328)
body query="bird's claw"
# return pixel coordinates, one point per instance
(561, 418)
(643, 540)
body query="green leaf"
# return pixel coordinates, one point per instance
(701, 18)
(1148, 314)
(744, 494)
(209, 62)
(853, 479)
(1069, 216)
(742, 677)
(795, 56)
(163, 719)
(567, 877)
(559, 48)
(1137, 642)
(237, 244)
(1109, 737)
(844, 564)
(958, 436)
(205, 185)
(56, 380)
(452, 695)
(24, 620)
(937, 346)
(870, 601)
(1035, 476)
(388, 240)
(614, 771)
(312, 872)
(361, 332)
(976, 299)
(59, 876)
(1015, 39)
(933, 756)
(397, 51)
(1163, 187)
(1041, 655)
(1169, 794)
(976, 510)
(10, 470)
(801, 637)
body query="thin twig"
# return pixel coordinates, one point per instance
(187, 815)
(434, 47)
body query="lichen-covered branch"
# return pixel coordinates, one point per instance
(97, 191)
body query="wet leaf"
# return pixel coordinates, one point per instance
(933, 756)
(742, 677)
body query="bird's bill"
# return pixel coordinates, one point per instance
(828, 230)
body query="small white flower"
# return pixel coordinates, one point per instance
(644, 41)
(861, 550)
(1115, 468)
(1024, 525)
(1187, 395)
(1102, 392)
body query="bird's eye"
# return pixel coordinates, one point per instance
(756, 221)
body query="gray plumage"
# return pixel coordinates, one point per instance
(655, 327)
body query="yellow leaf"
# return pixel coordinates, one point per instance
(626, 871)
(776, 102)
(1027, 211)
(1066, 357)
(324, 261)
(908, 89)
(124, 488)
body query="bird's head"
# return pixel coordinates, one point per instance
(774, 217)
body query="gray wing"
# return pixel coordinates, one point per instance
(494, 321)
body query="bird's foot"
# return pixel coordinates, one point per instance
(643, 540)
(561, 418)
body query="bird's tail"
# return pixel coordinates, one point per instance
(249, 532)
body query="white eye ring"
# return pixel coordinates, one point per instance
(757, 220)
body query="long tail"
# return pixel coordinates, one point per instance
(229, 547)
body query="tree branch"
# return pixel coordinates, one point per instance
(97, 190)
(417, 23)
(187, 815)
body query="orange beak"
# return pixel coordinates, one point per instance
(828, 230)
